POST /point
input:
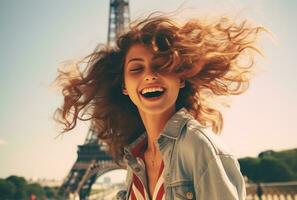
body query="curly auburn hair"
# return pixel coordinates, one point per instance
(208, 56)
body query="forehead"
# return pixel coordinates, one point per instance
(139, 51)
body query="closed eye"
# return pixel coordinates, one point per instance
(136, 69)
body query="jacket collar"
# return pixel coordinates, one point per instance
(171, 130)
(176, 123)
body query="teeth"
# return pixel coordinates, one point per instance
(152, 89)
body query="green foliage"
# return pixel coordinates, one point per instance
(49, 192)
(271, 166)
(35, 189)
(249, 167)
(273, 170)
(20, 185)
(7, 189)
(16, 188)
(289, 157)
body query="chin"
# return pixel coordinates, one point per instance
(158, 109)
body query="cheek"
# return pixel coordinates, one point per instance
(130, 83)
(174, 84)
(126, 78)
(174, 81)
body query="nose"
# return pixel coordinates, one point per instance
(151, 76)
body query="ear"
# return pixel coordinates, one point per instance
(182, 83)
(124, 90)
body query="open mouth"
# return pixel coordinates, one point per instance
(152, 92)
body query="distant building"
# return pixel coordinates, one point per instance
(107, 180)
(46, 182)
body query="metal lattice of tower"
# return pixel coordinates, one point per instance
(92, 160)
(119, 19)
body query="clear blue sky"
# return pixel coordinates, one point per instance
(36, 36)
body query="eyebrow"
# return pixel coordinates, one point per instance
(135, 59)
(140, 59)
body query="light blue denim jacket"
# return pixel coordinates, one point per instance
(196, 164)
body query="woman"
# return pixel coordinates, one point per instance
(151, 100)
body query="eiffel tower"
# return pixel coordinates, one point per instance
(92, 160)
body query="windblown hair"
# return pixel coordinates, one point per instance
(215, 59)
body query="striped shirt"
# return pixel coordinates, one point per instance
(138, 190)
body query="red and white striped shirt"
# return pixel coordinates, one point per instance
(138, 191)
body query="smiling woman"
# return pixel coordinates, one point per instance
(148, 99)
(151, 91)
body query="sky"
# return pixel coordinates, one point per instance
(37, 36)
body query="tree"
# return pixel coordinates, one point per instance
(7, 189)
(271, 169)
(49, 192)
(35, 189)
(248, 167)
(20, 185)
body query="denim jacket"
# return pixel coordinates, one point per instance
(197, 165)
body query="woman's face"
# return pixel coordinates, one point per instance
(152, 92)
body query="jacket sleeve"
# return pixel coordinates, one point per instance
(221, 180)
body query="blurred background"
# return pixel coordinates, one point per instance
(37, 36)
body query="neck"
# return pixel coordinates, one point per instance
(154, 124)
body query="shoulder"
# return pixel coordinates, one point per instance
(198, 148)
(202, 140)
